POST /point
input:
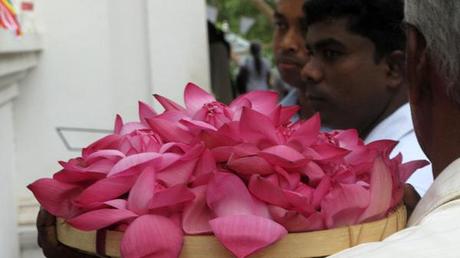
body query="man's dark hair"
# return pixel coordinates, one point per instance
(378, 20)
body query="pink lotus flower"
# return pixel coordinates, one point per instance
(242, 172)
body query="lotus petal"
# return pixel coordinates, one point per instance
(152, 236)
(244, 235)
(217, 139)
(121, 204)
(172, 198)
(145, 111)
(328, 152)
(237, 106)
(206, 164)
(73, 177)
(274, 116)
(105, 190)
(142, 192)
(131, 127)
(300, 201)
(196, 215)
(222, 154)
(307, 133)
(175, 147)
(349, 139)
(178, 173)
(168, 104)
(261, 101)
(196, 126)
(268, 192)
(228, 195)
(171, 115)
(287, 180)
(100, 166)
(195, 98)
(381, 186)
(105, 154)
(193, 152)
(133, 161)
(408, 168)
(245, 149)
(255, 127)
(108, 142)
(170, 131)
(214, 113)
(102, 218)
(344, 205)
(56, 197)
(118, 124)
(284, 156)
(361, 155)
(250, 165)
(287, 113)
(321, 190)
(295, 221)
(314, 173)
(383, 146)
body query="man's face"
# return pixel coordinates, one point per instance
(344, 81)
(289, 40)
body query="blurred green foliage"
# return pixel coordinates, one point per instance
(230, 12)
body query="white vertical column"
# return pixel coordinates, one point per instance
(17, 56)
(9, 246)
(178, 45)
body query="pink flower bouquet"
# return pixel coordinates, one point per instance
(243, 172)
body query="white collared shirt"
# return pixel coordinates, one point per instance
(398, 126)
(433, 229)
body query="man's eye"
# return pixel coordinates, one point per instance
(331, 54)
(280, 25)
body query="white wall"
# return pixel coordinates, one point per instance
(99, 58)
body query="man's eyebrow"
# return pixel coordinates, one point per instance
(329, 42)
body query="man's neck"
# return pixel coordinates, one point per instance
(394, 104)
(445, 142)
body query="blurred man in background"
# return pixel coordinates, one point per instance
(290, 52)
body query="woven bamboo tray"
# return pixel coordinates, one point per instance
(293, 245)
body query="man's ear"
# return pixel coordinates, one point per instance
(395, 74)
(417, 65)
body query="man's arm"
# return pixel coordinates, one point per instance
(411, 198)
(47, 239)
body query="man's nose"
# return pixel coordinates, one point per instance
(311, 71)
(292, 41)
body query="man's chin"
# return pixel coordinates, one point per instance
(292, 78)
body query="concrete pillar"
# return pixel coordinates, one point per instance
(178, 46)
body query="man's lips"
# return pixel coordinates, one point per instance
(288, 66)
(315, 98)
(289, 62)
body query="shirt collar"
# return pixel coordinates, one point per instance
(394, 127)
(445, 188)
